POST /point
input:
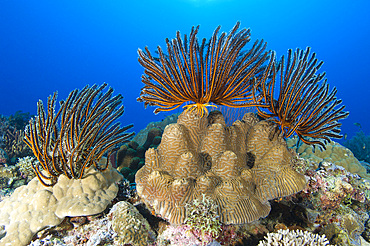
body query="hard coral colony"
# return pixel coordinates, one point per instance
(234, 170)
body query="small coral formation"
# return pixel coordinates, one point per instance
(13, 176)
(334, 153)
(8, 176)
(25, 167)
(292, 238)
(34, 206)
(331, 185)
(203, 220)
(97, 232)
(239, 167)
(180, 235)
(3, 157)
(201, 227)
(130, 225)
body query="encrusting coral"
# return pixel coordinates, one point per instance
(239, 167)
(32, 207)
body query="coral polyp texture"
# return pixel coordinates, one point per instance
(239, 167)
(33, 207)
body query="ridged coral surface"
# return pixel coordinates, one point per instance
(239, 167)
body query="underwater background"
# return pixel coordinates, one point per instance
(197, 182)
(48, 46)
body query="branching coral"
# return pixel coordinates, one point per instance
(217, 71)
(202, 218)
(84, 134)
(291, 238)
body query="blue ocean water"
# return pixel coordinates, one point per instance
(62, 45)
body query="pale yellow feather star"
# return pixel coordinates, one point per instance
(199, 107)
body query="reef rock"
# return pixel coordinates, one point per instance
(239, 167)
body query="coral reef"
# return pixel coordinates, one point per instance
(25, 167)
(360, 146)
(131, 156)
(334, 153)
(142, 136)
(97, 232)
(179, 235)
(3, 157)
(33, 207)
(239, 167)
(11, 137)
(292, 238)
(335, 202)
(15, 146)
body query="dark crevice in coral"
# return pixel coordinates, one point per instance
(250, 159)
(156, 223)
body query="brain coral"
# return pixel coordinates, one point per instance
(334, 153)
(239, 167)
(32, 207)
